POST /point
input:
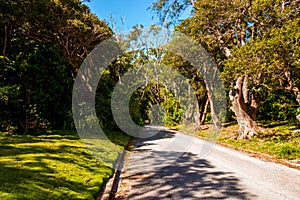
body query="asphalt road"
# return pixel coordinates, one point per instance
(172, 165)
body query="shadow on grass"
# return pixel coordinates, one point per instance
(48, 167)
(282, 131)
(20, 183)
(267, 124)
(227, 124)
(278, 136)
(292, 125)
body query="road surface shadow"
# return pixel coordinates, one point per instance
(158, 136)
(140, 142)
(189, 177)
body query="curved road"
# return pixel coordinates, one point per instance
(172, 165)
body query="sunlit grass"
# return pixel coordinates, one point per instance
(55, 166)
(281, 139)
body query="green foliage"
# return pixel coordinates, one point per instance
(275, 53)
(147, 97)
(279, 106)
(136, 109)
(49, 84)
(42, 46)
(173, 112)
(9, 93)
(103, 101)
(36, 91)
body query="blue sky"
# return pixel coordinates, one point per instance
(133, 11)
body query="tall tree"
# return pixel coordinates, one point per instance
(194, 113)
(219, 26)
(44, 38)
(276, 54)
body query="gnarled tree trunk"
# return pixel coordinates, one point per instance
(244, 110)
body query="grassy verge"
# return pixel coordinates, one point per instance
(281, 141)
(52, 165)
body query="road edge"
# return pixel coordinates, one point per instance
(250, 153)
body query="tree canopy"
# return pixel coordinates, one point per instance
(43, 43)
(255, 44)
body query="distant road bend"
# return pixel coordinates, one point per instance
(173, 165)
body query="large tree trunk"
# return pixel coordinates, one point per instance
(244, 110)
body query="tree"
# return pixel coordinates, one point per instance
(276, 54)
(40, 41)
(194, 113)
(221, 26)
(169, 11)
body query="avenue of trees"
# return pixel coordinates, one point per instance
(255, 44)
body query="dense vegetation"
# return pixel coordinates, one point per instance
(42, 46)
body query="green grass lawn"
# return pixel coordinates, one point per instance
(52, 165)
(281, 139)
